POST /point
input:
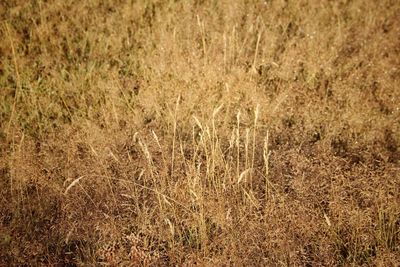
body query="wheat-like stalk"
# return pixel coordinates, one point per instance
(174, 135)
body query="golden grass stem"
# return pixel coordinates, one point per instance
(215, 145)
(256, 113)
(238, 144)
(266, 155)
(174, 135)
(203, 37)
(165, 166)
(256, 51)
(246, 148)
(18, 81)
(225, 52)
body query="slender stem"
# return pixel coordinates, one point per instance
(18, 81)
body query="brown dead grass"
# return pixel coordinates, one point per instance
(211, 133)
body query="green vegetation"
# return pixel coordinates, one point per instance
(210, 133)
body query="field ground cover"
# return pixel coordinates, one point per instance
(210, 133)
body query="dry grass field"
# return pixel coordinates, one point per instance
(199, 133)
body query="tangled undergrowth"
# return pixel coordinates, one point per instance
(211, 133)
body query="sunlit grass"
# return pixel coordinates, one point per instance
(160, 133)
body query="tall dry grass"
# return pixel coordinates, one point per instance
(158, 133)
